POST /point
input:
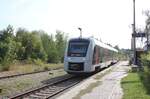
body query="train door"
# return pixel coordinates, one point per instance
(96, 55)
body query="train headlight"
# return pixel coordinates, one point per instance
(69, 58)
(83, 59)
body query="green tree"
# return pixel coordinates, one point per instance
(31, 45)
(7, 33)
(50, 47)
(22, 36)
(61, 41)
(34, 47)
(8, 47)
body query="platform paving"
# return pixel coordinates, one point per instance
(104, 85)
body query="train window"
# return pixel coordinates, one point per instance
(96, 55)
(78, 48)
(101, 55)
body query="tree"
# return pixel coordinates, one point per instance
(50, 48)
(31, 45)
(7, 33)
(117, 47)
(34, 45)
(61, 41)
(22, 36)
(34, 48)
(7, 46)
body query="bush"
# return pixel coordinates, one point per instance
(145, 59)
(46, 68)
(4, 67)
(38, 62)
(145, 75)
(145, 78)
(53, 57)
(29, 61)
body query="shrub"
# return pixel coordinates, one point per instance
(145, 75)
(4, 67)
(145, 59)
(46, 68)
(38, 62)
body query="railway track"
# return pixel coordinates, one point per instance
(22, 74)
(51, 89)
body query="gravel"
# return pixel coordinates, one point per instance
(12, 86)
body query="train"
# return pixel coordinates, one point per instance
(87, 55)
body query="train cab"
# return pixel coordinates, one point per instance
(85, 55)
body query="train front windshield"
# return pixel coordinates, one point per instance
(78, 48)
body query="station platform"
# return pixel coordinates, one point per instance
(103, 85)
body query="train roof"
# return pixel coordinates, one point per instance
(103, 45)
(97, 42)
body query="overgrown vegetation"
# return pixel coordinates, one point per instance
(145, 59)
(30, 46)
(133, 87)
(145, 75)
(137, 85)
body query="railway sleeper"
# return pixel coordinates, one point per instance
(46, 92)
(53, 87)
(41, 94)
(52, 90)
(33, 96)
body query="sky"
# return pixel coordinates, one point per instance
(108, 20)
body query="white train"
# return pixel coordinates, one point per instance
(86, 55)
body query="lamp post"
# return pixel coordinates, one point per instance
(80, 29)
(134, 35)
(147, 33)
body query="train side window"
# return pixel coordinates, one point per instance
(106, 54)
(98, 52)
(101, 54)
(94, 56)
(112, 55)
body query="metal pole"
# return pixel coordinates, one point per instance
(147, 36)
(134, 32)
(80, 32)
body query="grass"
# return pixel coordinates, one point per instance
(8, 88)
(26, 68)
(17, 85)
(133, 87)
(21, 84)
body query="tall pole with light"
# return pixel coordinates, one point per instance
(80, 29)
(134, 35)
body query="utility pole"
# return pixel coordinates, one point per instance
(147, 32)
(80, 32)
(134, 37)
(147, 36)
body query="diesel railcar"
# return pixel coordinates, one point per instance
(86, 55)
